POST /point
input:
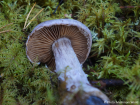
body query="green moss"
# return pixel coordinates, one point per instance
(117, 48)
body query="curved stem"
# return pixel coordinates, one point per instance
(70, 70)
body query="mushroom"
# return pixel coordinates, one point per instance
(64, 45)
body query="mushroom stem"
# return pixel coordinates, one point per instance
(70, 70)
(68, 65)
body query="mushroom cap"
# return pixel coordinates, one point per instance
(40, 40)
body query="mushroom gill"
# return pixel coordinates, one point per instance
(40, 43)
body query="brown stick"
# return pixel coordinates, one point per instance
(129, 7)
(102, 83)
(5, 31)
(6, 25)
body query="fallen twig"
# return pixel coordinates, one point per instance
(102, 83)
(129, 7)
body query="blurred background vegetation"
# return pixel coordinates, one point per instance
(115, 52)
